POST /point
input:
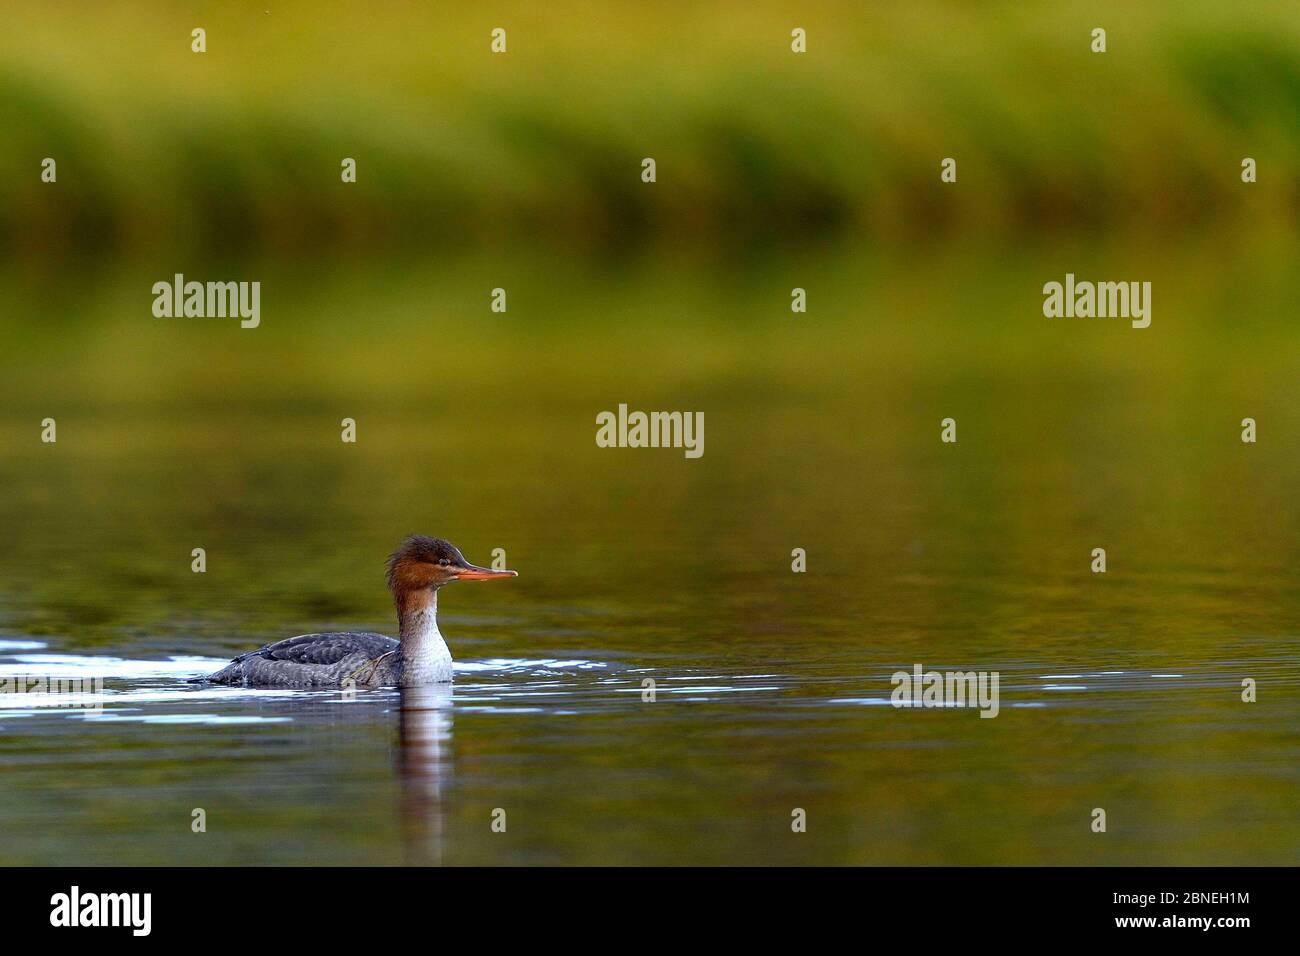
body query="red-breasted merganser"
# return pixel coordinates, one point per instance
(419, 656)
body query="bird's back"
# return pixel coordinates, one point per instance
(306, 660)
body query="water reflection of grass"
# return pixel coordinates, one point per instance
(237, 151)
(413, 331)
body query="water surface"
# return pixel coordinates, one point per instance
(1120, 691)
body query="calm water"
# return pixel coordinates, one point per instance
(1119, 691)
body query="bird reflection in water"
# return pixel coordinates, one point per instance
(423, 769)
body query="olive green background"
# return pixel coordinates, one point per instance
(775, 171)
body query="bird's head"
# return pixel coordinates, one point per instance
(428, 563)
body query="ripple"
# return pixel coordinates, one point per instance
(7, 645)
(109, 716)
(523, 663)
(86, 666)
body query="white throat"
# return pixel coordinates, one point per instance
(426, 658)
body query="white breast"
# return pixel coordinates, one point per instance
(426, 658)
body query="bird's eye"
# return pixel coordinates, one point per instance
(442, 562)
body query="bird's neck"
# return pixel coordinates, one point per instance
(426, 659)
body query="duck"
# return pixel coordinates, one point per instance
(419, 656)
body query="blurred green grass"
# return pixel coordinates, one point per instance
(236, 152)
(522, 171)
